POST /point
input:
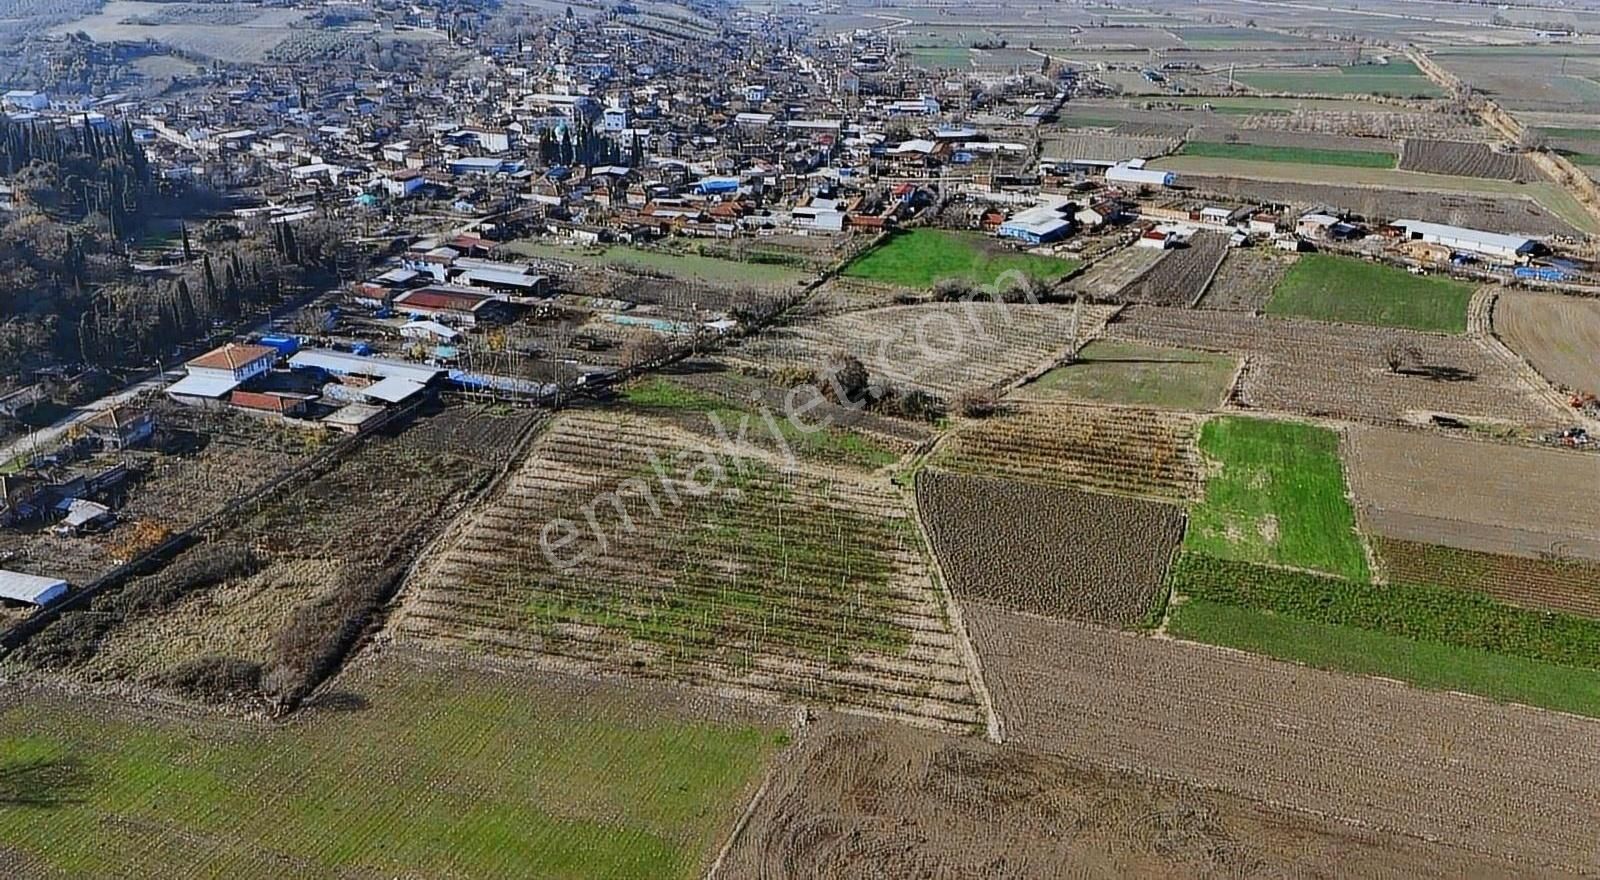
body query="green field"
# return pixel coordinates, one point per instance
(1141, 375)
(1400, 79)
(1300, 155)
(420, 779)
(686, 266)
(922, 257)
(835, 445)
(1329, 288)
(1276, 495)
(1364, 652)
(946, 56)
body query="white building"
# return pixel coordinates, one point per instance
(31, 589)
(1507, 248)
(1128, 172)
(212, 376)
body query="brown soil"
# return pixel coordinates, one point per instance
(1505, 781)
(860, 798)
(1489, 497)
(1059, 552)
(1558, 335)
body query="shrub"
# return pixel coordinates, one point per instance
(213, 678)
(316, 639)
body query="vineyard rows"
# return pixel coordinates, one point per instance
(789, 586)
(1334, 370)
(1543, 584)
(1125, 451)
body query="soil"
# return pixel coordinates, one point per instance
(862, 798)
(1558, 335)
(1505, 781)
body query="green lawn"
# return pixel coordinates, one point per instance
(1329, 288)
(1363, 652)
(1301, 155)
(922, 257)
(441, 773)
(1276, 495)
(836, 445)
(1139, 375)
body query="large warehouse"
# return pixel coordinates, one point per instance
(1508, 248)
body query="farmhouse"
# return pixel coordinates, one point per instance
(30, 589)
(1506, 248)
(213, 375)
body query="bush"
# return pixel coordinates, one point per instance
(845, 380)
(978, 404)
(316, 639)
(213, 678)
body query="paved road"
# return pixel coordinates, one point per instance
(48, 438)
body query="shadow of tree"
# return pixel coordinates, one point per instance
(42, 782)
(339, 701)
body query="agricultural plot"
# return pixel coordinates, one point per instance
(1296, 154)
(1460, 159)
(688, 267)
(1435, 637)
(1341, 371)
(1329, 288)
(942, 348)
(921, 257)
(247, 36)
(1275, 493)
(1104, 279)
(423, 780)
(857, 797)
(227, 603)
(1107, 371)
(1454, 493)
(1117, 450)
(1558, 335)
(1397, 79)
(1567, 586)
(1245, 280)
(1045, 550)
(1510, 212)
(1069, 145)
(1372, 752)
(625, 546)
(1181, 275)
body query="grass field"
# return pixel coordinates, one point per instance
(1549, 196)
(421, 781)
(1329, 288)
(835, 445)
(1364, 652)
(1399, 79)
(1109, 371)
(1299, 155)
(1276, 495)
(921, 257)
(687, 266)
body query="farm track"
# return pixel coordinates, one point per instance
(1500, 780)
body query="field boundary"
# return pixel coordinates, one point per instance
(1480, 326)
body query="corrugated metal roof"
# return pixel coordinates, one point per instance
(203, 386)
(340, 363)
(1462, 233)
(392, 390)
(31, 588)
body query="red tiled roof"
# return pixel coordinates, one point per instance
(233, 356)
(434, 298)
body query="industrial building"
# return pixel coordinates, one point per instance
(1494, 245)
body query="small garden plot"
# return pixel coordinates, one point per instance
(1044, 550)
(1328, 288)
(921, 257)
(1106, 277)
(690, 267)
(627, 546)
(1432, 637)
(1464, 159)
(441, 772)
(1108, 371)
(1558, 335)
(1352, 372)
(1180, 276)
(941, 348)
(1487, 497)
(1119, 450)
(1245, 280)
(1275, 494)
(1566, 586)
(1298, 155)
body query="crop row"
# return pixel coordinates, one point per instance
(1545, 584)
